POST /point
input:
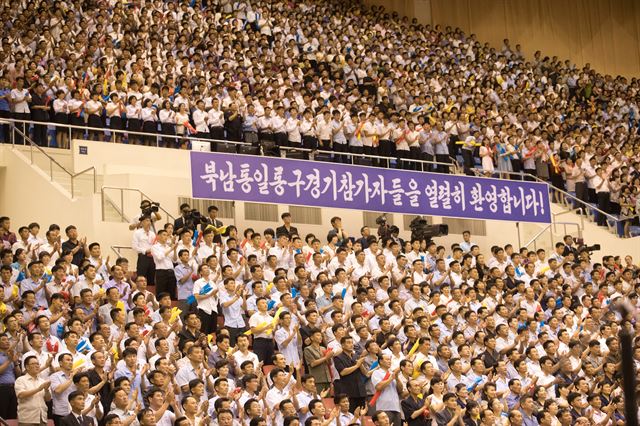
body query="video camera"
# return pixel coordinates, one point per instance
(583, 247)
(148, 207)
(193, 218)
(421, 230)
(383, 228)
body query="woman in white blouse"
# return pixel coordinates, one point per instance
(167, 118)
(149, 122)
(114, 114)
(76, 114)
(61, 118)
(181, 117)
(134, 116)
(94, 108)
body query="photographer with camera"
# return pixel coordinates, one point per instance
(184, 221)
(383, 227)
(143, 240)
(147, 208)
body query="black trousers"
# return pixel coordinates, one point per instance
(341, 147)
(403, 164)
(209, 322)
(234, 333)
(369, 150)
(40, 130)
(57, 420)
(516, 164)
(24, 128)
(355, 402)
(414, 153)
(443, 158)
(216, 133)
(281, 139)
(147, 268)
(533, 173)
(309, 142)
(6, 133)
(426, 167)
(581, 192)
(356, 158)
(166, 281)
(263, 348)
(386, 149)
(591, 192)
(9, 406)
(603, 204)
(467, 158)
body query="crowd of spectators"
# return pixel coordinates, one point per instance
(384, 330)
(323, 74)
(287, 328)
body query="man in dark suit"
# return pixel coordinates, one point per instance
(287, 229)
(76, 418)
(212, 219)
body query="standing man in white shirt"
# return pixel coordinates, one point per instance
(262, 327)
(234, 303)
(200, 120)
(215, 120)
(20, 99)
(142, 242)
(278, 125)
(162, 254)
(207, 300)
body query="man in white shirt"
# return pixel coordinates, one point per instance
(143, 239)
(234, 303)
(162, 254)
(262, 327)
(20, 99)
(200, 120)
(32, 393)
(215, 120)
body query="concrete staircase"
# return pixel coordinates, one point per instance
(59, 170)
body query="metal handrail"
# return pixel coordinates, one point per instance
(565, 224)
(117, 249)
(454, 163)
(108, 200)
(352, 155)
(108, 130)
(52, 161)
(580, 228)
(143, 196)
(535, 237)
